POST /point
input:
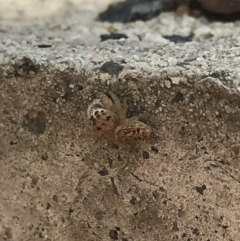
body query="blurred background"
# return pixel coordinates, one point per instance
(29, 9)
(118, 10)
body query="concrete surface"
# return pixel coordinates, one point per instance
(60, 183)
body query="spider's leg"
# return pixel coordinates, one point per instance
(125, 107)
(127, 146)
(105, 100)
(114, 98)
(133, 119)
(116, 103)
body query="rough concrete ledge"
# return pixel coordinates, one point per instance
(60, 183)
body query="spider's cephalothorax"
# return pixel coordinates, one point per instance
(107, 115)
(101, 118)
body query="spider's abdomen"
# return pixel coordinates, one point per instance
(132, 130)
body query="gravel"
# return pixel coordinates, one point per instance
(76, 43)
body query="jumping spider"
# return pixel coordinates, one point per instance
(108, 119)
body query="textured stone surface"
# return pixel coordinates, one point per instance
(60, 183)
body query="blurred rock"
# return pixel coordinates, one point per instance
(133, 10)
(224, 7)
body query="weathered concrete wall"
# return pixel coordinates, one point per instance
(60, 183)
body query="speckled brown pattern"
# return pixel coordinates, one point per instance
(60, 184)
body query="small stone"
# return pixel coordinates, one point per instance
(118, 58)
(104, 77)
(55, 198)
(178, 38)
(146, 68)
(178, 97)
(34, 181)
(8, 233)
(156, 38)
(145, 155)
(163, 63)
(232, 126)
(80, 87)
(207, 96)
(65, 26)
(181, 213)
(228, 109)
(114, 36)
(11, 50)
(175, 227)
(154, 149)
(175, 80)
(96, 59)
(71, 86)
(172, 72)
(135, 57)
(112, 68)
(201, 189)
(14, 142)
(203, 32)
(172, 61)
(35, 121)
(31, 73)
(167, 84)
(113, 234)
(133, 200)
(44, 157)
(103, 172)
(62, 67)
(143, 185)
(196, 231)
